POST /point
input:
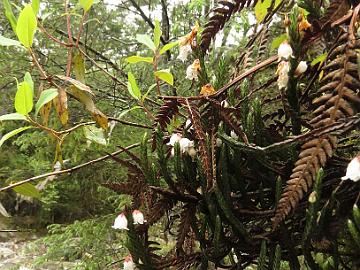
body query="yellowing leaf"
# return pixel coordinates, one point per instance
(79, 67)
(28, 190)
(165, 75)
(76, 83)
(45, 113)
(23, 99)
(26, 26)
(262, 8)
(86, 4)
(100, 118)
(61, 107)
(135, 59)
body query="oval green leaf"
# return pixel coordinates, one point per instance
(168, 46)
(26, 26)
(12, 133)
(45, 97)
(9, 42)
(28, 79)
(12, 116)
(165, 75)
(86, 4)
(132, 86)
(35, 6)
(157, 33)
(24, 98)
(146, 40)
(135, 59)
(28, 190)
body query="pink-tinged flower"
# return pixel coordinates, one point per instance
(283, 72)
(353, 170)
(192, 70)
(138, 217)
(301, 68)
(121, 222)
(176, 137)
(285, 51)
(128, 263)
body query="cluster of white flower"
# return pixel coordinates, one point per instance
(353, 170)
(186, 146)
(284, 53)
(121, 222)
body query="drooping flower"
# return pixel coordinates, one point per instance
(301, 68)
(224, 103)
(138, 217)
(207, 89)
(185, 145)
(303, 24)
(353, 170)
(174, 139)
(233, 135)
(184, 52)
(121, 222)
(285, 51)
(128, 263)
(312, 197)
(283, 73)
(185, 43)
(192, 70)
(218, 142)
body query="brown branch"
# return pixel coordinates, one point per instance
(70, 170)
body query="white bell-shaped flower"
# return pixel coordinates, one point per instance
(283, 72)
(285, 51)
(184, 52)
(176, 137)
(128, 263)
(138, 217)
(192, 70)
(353, 170)
(185, 144)
(121, 222)
(301, 68)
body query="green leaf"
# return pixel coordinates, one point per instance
(157, 33)
(12, 116)
(9, 42)
(123, 113)
(132, 86)
(168, 46)
(135, 59)
(45, 97)
(28, 190)
(321, 58)
(95, 134)
(277, 41)
(262, 8)
(86, 4)
(148, 91)
(28, 79)
(165, 75)
(24, 98)
(146, 40)
(9, 14)
(12, 133)
(35, 6)
(26, 26)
